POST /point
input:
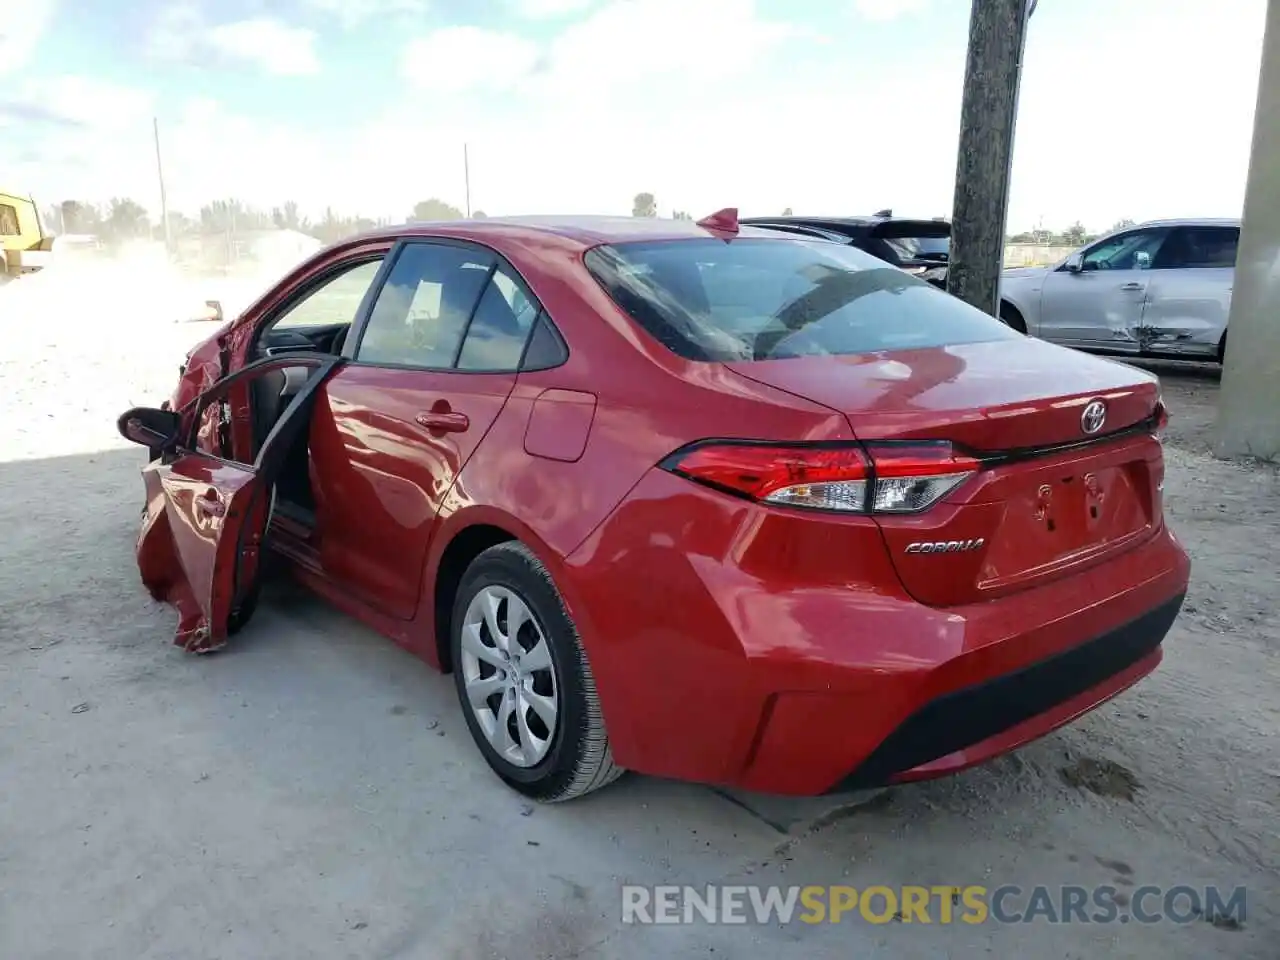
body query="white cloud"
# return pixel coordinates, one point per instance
(21, 27)
(634, 41)
(550, 9)
(354, 13)
(626, 45)
(884, 10)
(458, 59)
(181, 32)
(176, 32)
(274, 46)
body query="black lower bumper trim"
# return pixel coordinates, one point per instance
(968, 716)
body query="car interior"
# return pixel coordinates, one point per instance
(317, 323)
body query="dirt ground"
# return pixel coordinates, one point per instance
(312, 792)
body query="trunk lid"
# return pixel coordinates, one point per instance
(1050, 499)
(995, 396)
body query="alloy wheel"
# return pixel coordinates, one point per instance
(509, 676)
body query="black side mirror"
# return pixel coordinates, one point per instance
(149, 427)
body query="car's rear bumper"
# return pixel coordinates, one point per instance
(967, 726)
(745, 647)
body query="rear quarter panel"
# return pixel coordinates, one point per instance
(648, 402)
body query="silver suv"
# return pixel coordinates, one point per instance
(1158, 289)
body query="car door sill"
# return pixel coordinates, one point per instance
(299, 520)
(283, 539)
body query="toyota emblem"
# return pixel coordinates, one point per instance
(1094, 416)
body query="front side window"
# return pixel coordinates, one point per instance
(1129, 251)
(423, 309)
(335, 301)
(9, 221)
(757, 299)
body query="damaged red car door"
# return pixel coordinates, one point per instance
(207, 509)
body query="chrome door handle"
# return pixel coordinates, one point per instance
(1133, 285)
(444, 421)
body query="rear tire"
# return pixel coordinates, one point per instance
(510, 683)
(1011, 318)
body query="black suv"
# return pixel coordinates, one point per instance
(919, 247)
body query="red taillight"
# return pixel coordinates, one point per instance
(1162, 419)
(893, 478)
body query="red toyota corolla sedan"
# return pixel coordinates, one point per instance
(693, 499)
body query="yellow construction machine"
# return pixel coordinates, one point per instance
(26, 247)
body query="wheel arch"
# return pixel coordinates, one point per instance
(466, 535)
(1012, 314)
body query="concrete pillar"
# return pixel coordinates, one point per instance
(1249, 407)
(988, 111)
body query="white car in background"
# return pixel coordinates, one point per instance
(1158, 289)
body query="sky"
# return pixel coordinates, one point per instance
(1128, 109)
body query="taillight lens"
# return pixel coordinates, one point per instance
(880, 478)
(1162, 419)
(911, 478)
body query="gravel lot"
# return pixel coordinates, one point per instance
(312, 792)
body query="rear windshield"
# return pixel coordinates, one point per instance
(755, 299)
(920, 248)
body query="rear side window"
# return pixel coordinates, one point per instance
(920, 248)
(1199, 247)
(495, 340)
(758, 299)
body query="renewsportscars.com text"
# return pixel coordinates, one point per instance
(939, 904)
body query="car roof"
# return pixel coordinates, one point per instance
(842, 221)
(1191, 222)
(580, 230)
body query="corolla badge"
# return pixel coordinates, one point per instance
(1094, 416)
(945, 546)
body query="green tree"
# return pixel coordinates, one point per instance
(479, 215)
(1124, 223)
(1075, 234)
(233, 216)
(644, 205)
(180, 224)
(787, 212)
(126, 219)
(73, 216)
(286, 217)
(681, 215)
(435, 209)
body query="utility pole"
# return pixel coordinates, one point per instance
(1248, 422)
(466, 173)
(164, 203)
(988, 111)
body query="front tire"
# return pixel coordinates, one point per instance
(523, 680)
